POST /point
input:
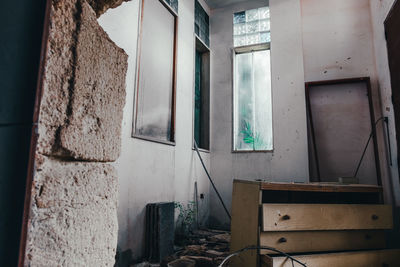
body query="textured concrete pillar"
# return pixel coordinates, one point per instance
(73, 218)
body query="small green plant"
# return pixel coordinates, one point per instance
(186, 217)
(249, 137)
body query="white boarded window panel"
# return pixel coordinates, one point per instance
(155, 86)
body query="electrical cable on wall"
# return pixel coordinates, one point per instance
(211, 181)
(385, 119)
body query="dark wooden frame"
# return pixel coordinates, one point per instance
(174, 78)
(394, 97)
(34, 136)
(205, 88)
(367, 82)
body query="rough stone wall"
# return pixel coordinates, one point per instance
(84, 87)
(73, 217)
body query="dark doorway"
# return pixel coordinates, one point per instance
(392, 29)
(21, 26)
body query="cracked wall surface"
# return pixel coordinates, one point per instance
(73, 213)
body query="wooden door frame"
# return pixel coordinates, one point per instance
(367, 82)
(396, 3)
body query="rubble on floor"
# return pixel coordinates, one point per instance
(202, 248)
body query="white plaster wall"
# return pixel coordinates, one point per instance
(337, 39)
(152, 172)
(379, 11)
(289, 161)
(338, 42)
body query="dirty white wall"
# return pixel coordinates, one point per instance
(288, 161)
(152, 172)
(338, 42)
(379, 11)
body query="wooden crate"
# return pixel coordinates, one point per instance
(250, 198)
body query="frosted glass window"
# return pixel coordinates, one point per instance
(252, 102)
(251, 27)
(173, 4)
(155, 84)
(201, 23)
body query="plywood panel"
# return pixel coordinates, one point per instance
(302, 217)
(322, 187)
(245, 226)
(384, 258)
(321, 241)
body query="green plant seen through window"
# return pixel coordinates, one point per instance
(251, 138)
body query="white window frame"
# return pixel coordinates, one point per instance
(243, 50)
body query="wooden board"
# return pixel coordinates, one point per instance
(246, 199)
(322, 187)
(304, 217)
(322, 241)
(315, 187)
(378, 258)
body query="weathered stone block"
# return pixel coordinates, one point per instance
(58, 73)
(73, 219)
(84, 87)
(101, 6)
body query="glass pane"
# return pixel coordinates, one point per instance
(244, 103)
(154, 103)
(173, 4)
(252, 102)
(239, 40)
(264, 12)
(252, 27)
(202, 23)
(197, 99)
(239, 17)
(254, 24)
(263, 101)
(253, 39)
(251, 15)
(265, 37)
(264, 25)
(239, 29)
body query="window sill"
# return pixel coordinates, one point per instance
(203, 150)
(154, 140)
(252, 151)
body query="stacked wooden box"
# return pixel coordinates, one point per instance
(319, 224)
